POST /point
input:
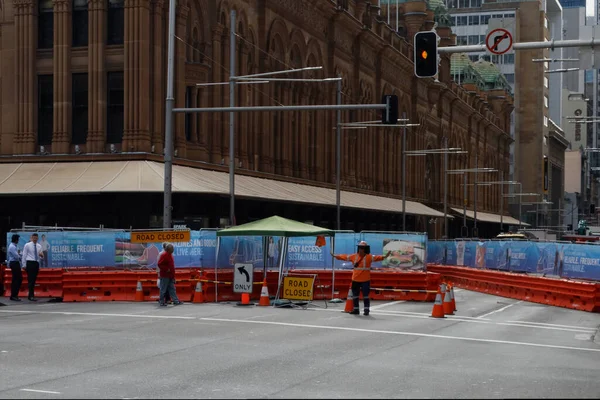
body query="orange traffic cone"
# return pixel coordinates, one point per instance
(264, 295)
(438, 308)
(139, 292)
(349, 302)
(452, 297)
(448, 308)
(198, 295)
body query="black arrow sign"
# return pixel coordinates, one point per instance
(498, 39)
(243, 271)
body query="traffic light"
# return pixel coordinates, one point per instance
(426, 55)
(389, 115)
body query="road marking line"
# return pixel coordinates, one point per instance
(342, 328)
(406, 314)
(377, 307)
(99, 314)
(476, 320)
(39, 391)
(562, 326)
(499, 310)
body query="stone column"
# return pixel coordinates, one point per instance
(415, 15)
(214, 136)
(61, 134)
(25, 38)
(97, 88)
(194, 117)
(136, 135)
(180, 84)
(159, 74)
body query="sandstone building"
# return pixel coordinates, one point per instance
(83, 87)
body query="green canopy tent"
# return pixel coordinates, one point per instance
(273, 226)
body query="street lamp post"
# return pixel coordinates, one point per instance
(445, 151)
(502, 183)
(464, 172)
(404, 132)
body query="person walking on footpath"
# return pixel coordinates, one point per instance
(14, 263)
(361, 274)
(166, 264)
(32, 254)
(164, 249)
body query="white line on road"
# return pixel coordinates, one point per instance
(561, 326)
(99, 314)
(499, 310)
(377, 307)
(477, 320)
(39, 391)
(406, 314)
(342, 328)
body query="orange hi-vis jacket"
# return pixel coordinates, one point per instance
(361, 272)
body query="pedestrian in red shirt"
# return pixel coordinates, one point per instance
(166, 264)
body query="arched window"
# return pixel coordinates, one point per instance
(80, 23)
(116, 22)
(45, 25)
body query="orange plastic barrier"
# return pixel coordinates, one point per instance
(99, 286)
(2, 285)
(84, 285)
(47, 284)
(184, 284)
(578, 295)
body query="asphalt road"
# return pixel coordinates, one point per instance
(492, 348)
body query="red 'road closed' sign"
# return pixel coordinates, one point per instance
(499, 41)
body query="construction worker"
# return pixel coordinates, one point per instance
(361, 274)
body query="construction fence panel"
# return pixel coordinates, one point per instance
(555, 259)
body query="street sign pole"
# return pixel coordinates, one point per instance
(477, 48)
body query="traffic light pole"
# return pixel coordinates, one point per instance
(524, 46)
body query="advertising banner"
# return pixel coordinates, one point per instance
(65, 249)
(578, 261)
(408, 251)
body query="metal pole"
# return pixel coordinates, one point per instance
(327, 107)
(537, 210)
(446, 188)
(403, 174)
(501, 201)
(520, 191)
(573, 215)
(338, 157)
(464, 201)
(170, 104)
(593, 43)
(475, 199)
(388, 13)
(397, 16)
(232, 120)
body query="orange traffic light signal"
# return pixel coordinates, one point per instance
(425, 56)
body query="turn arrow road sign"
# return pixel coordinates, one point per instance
(243, 278)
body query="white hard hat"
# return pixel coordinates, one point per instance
(362, 243)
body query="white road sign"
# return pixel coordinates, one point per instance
(505, 27)
(242, 278)
(499, 41)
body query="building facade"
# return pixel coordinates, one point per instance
(86, 80)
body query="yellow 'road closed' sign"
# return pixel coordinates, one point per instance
(298, 288)
(160, 236)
